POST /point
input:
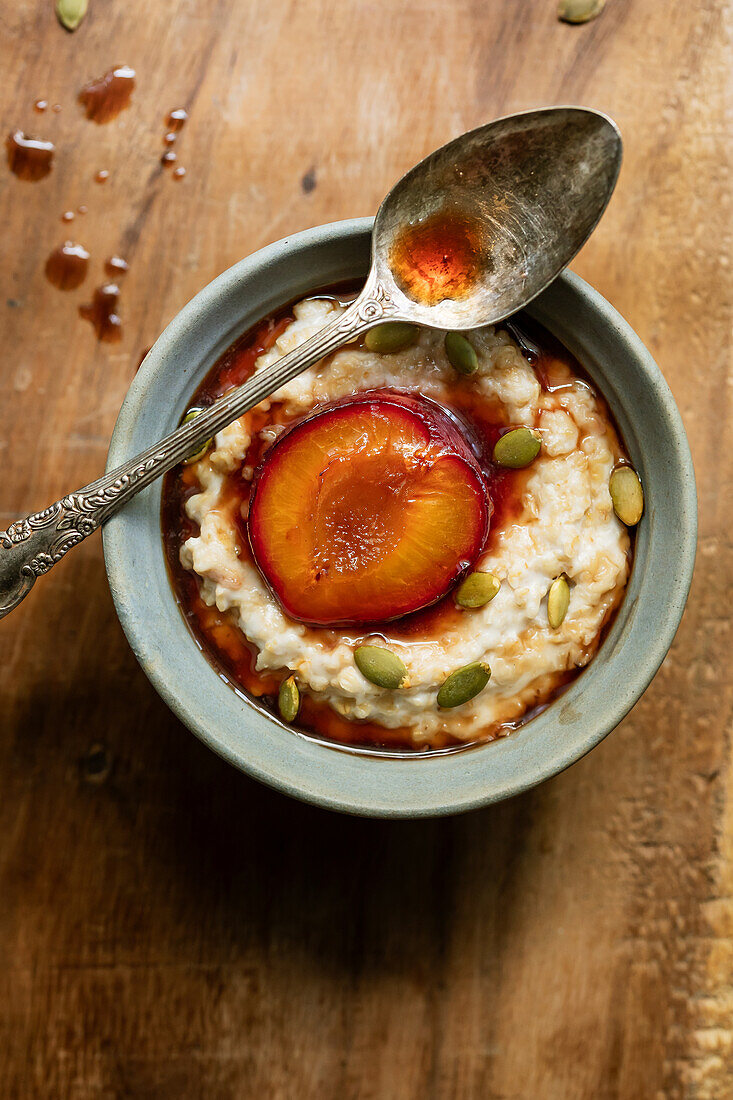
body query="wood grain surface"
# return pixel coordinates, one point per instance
(169, 928)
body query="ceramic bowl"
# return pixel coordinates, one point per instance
(362, 782)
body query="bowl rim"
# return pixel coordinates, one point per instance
(329, 776)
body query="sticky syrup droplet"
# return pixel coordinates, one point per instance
(176, 119)
(40, 106)
(102, 313)
(103, 99)
(116, 266)
(66, 267)
(168, 158)
(29, 158)
(179, 173)
(102, 176)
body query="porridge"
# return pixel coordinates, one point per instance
(413, 543)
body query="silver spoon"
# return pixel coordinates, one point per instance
(469, 236)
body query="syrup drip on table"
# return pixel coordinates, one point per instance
(115, 266)
(102, 313)
(103, 99)
(40, 106)
(67, 266)
(102, 176)
(29, 158)
(438, 258)
(68, 215)
(175, 120)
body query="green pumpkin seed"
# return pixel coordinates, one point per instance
(200, 451)
(558, 599)
(288, 700)
(464, 684)
(380, 666)
(477, 589)
(71, 12)
(627, 495)
(390, 337)
(461, 353)
(517, 448)
(579, 11)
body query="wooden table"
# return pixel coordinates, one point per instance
(169, 928)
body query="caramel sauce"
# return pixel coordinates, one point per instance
(67, 266)
(176, 120)
(115, 267)
(103, 99)
(438, 258)
(29, 158)
(102, 313)
(217, 633)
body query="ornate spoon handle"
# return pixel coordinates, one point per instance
(31, 546)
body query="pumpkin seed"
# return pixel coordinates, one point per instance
(558, 599)
(627, 495)
(517, 448)
(477, 590)
(579, 11)
(71, 12)
(380, 666)
(461, 353)
(390, 337)
(288, 700)
(200, 451)
(464, 684)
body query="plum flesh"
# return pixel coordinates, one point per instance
(369, 509)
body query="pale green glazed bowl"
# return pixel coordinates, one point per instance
(360, 782)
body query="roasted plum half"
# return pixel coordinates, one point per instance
(368, 509)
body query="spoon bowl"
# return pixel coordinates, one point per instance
(481, 226)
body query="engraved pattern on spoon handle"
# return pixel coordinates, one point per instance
(31, 546)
